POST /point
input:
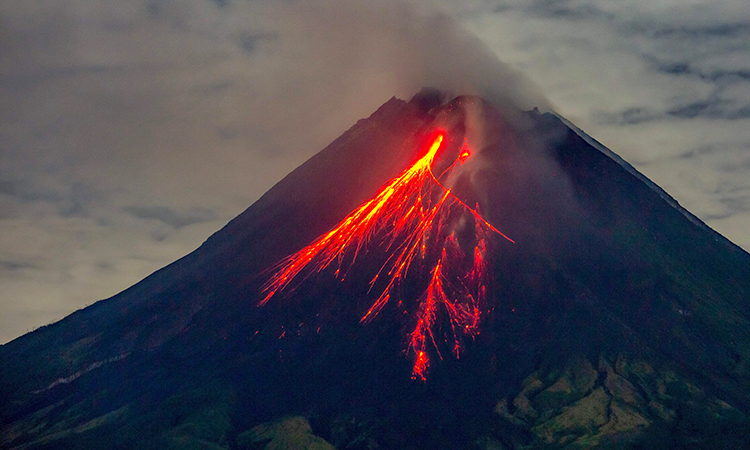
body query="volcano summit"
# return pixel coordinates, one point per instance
(446, 274)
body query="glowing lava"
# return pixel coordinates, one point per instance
(415, 215)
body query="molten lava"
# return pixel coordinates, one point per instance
(416, 217)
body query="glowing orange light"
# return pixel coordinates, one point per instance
(464, 152)
(416, 223)
(420, 367)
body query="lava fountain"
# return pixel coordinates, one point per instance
(416, 218)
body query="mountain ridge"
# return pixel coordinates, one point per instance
(614, 319)
(662, 193)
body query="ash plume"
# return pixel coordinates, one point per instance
(357, 54)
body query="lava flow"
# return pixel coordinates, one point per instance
(416, 217)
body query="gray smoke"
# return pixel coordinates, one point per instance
(369, 51)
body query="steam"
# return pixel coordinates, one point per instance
(356, 55)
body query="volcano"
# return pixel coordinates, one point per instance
(447, 274)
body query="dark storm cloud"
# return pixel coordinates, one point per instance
(727, 75)
(725, 30)
(26, 192)
(564, 9)
(171, 217)
(74, 199)
(713, 108)
(629, 116)
(679, 68)
(22, 80)
(698, 152)
(739, 166)
(737, 204)
(13, 266)
(550, 9)
(685, 69)
(250, 42)
(720, 104)
(7, 187)
(78, 201)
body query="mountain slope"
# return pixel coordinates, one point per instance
(616, 318)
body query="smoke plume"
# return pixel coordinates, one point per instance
(365, 52)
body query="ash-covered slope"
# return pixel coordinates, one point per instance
(615, 319)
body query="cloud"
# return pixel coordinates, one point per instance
(171, 217)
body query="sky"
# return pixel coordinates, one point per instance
(132, 131)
